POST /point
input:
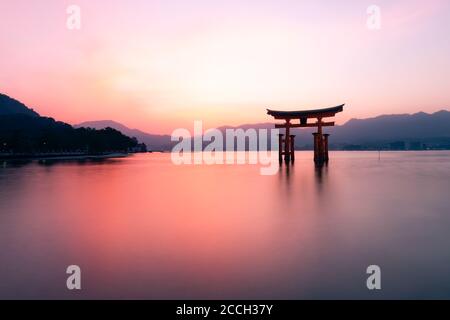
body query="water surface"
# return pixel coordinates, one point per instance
(141, 227)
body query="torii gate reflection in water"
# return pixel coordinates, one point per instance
(287, 141)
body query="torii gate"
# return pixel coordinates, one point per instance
(286, 145)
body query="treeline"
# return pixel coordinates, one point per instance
(21, 133)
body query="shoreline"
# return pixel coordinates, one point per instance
(60, 156)
(80, 156)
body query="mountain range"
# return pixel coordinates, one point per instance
(398, 131)
(25, 133)
(10, 106)
(152, 141)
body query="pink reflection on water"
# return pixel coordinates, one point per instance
(141, 227)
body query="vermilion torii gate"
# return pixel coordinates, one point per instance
(287, 141)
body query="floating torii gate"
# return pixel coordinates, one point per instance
(287, 141)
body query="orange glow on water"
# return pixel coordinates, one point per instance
(142, 227)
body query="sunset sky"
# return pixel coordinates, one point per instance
(160, 65)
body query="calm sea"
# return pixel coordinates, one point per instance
(141, 227)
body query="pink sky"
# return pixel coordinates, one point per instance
(160, 65)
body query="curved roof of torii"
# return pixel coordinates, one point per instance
(316, 113)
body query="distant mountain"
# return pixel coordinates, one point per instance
(395, 127)
(398, 131)
(24, 132)
(403, 131)
(10, 106)
(152, 141)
